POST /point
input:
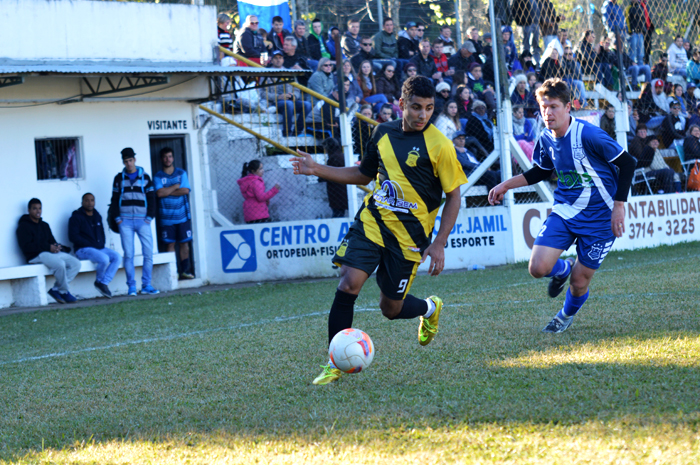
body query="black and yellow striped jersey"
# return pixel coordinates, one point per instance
(412, 170)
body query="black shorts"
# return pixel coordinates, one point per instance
(395, 274)
(181, 232)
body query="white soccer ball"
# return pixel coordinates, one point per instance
(351, 350)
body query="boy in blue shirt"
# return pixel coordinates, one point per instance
(589, 202)
(172, 187)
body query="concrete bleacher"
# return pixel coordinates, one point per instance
(267, 123)
(27, 285)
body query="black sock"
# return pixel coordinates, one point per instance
(413, 307)
(340, 317)
(185, 266)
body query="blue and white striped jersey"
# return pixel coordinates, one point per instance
(583, 161)
(172, 209)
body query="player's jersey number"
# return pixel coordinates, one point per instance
(402, 286)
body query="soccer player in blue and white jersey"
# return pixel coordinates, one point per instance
(172, 187)
(589, 202)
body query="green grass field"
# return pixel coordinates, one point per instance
(225, 377)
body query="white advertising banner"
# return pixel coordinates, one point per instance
(650, 220)
(303, 249)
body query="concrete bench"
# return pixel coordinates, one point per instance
(27, 285)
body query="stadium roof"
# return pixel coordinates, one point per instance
(133, 67)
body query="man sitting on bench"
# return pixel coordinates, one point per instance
(87, 233)
(39, 246)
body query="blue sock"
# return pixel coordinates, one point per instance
(561, 268)
(572, 305)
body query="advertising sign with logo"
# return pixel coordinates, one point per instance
(650, 220)
(303, 249)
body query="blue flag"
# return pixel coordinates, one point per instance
(265, 10)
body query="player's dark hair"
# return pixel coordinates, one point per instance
(437, 41)
(316, 20)
(554, 88)
(641, 126)
(32, 202)
(86, 194)
(250, 167)
(164, 151)
(277, 19)
(419, 86)
(386, 20)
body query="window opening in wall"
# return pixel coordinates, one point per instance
(57, 158)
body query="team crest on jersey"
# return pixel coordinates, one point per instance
(390, 196)
(413, 157)
(577, 151)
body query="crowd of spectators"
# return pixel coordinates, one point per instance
(375, 66)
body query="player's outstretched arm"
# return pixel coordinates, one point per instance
(496, 194)
(305, 164)
(436, 250)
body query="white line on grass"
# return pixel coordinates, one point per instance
(171, 337)
(306, 315)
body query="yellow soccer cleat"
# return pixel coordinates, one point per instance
(328, 375)
(429, 326)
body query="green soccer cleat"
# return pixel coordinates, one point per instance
(429, 326)
(328, 375)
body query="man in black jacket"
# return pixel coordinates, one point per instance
(425, 63)
(86, 232)
(39, 246)
(408, 46)
(465, 56)
(278, 33)
(672, 127)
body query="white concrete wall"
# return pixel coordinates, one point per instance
(96, 30)
(650, 221)
(105, 129)
(300, 249)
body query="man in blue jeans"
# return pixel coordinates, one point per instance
(286, 98)
(87, 233)
(134, 207)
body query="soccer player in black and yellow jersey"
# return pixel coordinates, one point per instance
(412, 164)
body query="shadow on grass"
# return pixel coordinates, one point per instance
(174, 391)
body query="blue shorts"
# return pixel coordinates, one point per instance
(181, 232)
(592, 243)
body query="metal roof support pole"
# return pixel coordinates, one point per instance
(346, 141)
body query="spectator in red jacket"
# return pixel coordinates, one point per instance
(440, 60)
